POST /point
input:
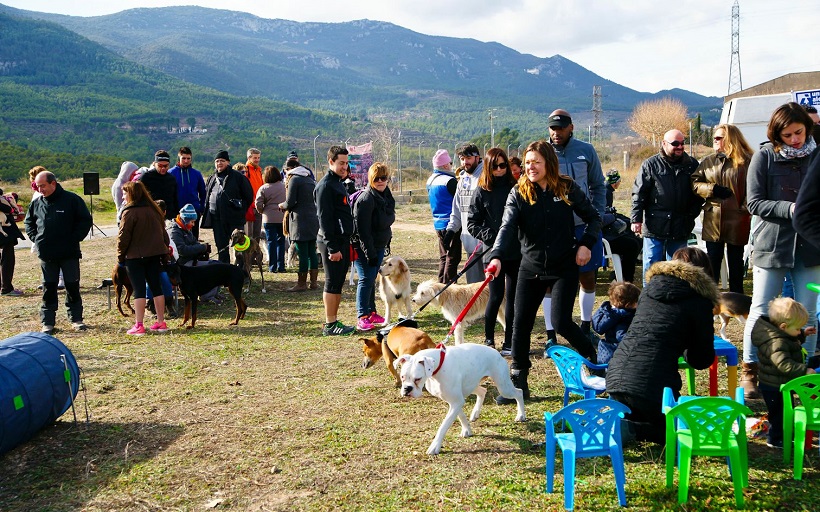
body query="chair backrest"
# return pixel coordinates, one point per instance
(709, 419)
(807, 388)
(570, 365)
(594, 422)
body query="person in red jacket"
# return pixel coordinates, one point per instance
(253, 171)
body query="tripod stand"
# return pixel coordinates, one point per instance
(91, 210)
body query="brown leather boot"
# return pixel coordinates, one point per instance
(301, 285)
(314, 277)
(748, 381)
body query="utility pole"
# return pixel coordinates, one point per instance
(596, 112)
(398, 157)
(420, 168)
(492, 128)
(735, 80)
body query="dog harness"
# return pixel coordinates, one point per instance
(244, 245)
(443, 350)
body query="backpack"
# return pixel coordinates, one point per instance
(352, 198)
(17, 212)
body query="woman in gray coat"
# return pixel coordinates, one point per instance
(302, 222)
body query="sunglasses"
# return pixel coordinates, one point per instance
(675, 143)
(718, 139)
(380, 178)
(502, 165)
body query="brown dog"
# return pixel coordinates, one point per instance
(249, 258)
(732, 305)
(119, 276)
(399, 341)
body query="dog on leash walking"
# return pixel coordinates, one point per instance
(120, 279)
(732, 305)
(195, 281)
(400, 340)
(394, 287)
(247, 254)
(454, 299)
(453, 373)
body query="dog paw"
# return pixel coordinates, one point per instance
(466, 432)
(474, 416)
(434, 449)
(521, 418)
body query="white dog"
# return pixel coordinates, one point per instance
(452, 374)
(454, 299)
(394, 287)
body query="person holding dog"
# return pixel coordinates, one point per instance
(539, 212)
(268, 198)
(301, 222)
(335, 230)
(374, 211)
(142, 246)
(229, 195)
(484, 222)
(56, 223)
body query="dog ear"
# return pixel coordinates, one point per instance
(401, 360)
(403, 266)
(369, 342)
(429, 366)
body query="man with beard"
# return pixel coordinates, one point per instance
(471, 162)
(664, 207)
(578, 160)
(161, 184)
(228, 195)
(190, 185)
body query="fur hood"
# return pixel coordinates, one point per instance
(697, 279)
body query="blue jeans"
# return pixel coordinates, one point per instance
(276, 246)
(366, 287)
(655, 249)
(767, 283)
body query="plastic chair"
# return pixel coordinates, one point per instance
(570, 365)
(615, 259)
(596, 432)
(801, 418)
(706, 426)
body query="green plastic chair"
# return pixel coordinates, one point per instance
(706, 426)
(801, 418)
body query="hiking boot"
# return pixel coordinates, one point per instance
(314, 278)
(79, 326)
(47, 329)
(137, 330)
(301, 284)
(337, 328)
(550, 343)
(519, 380)
(748, 381)
(12, 293)
(364, 324)
(159, 327)
(376, 319)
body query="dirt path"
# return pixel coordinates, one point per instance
(421, 228)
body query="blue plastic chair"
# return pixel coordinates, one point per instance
(596, 431)
(570, 366)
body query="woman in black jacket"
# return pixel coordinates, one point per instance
(483, 223)
(374, 211)
(673, 319)
(539, 212)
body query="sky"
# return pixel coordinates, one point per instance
(644, 45)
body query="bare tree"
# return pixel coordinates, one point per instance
(384, 139)
(651, 119)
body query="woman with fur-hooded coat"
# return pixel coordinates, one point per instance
(673, 319)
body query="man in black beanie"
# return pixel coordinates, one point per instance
(228, 194)
(161, 184)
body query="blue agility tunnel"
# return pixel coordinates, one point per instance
(39, 378)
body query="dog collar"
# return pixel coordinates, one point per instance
(244, 245)
(443, 350)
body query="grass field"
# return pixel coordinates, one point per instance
(269, 415)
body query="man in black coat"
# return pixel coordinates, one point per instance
(161, 184)
(228, 195)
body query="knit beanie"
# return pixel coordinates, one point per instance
(187, 213)
(441, 159)
(223, 155)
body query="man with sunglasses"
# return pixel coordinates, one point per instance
(664, 207)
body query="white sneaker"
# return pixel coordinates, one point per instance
(47, 329)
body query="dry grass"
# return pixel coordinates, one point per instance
(271, 416)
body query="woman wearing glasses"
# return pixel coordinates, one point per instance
(776, 174)
(374, 211)
(721, 180)
(483, 223)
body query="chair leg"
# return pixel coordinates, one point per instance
(788, 438)
(684, 466)
(569, 480)
(620, 478)
(737, 478)
(799, 448)
(549, 468)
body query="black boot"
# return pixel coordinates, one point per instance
(489, 342)
(519, 380)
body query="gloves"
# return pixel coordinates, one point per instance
(372, 262)
(721, 192)
(448, 239)
(207, 250)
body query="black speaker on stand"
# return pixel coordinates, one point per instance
(91, 188)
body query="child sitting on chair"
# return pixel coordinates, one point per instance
(613, 317)
(781, 358)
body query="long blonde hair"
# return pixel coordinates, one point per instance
(556, 183)
(736, 147)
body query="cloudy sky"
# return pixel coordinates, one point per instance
(646, 45)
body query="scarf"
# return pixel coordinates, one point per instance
(789, 152)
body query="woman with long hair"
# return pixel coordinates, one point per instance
(539, 213)
(374, 211)
(268, 197)
(484, 222)
(776, 174)
(721, 180)
(303, 222)
(142, 245)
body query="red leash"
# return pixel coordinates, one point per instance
(490, 270)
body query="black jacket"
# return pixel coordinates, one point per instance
(662, 198)
(57, 224)
(234, 186)
(12, 231)
(335, 215)
(806, 219)
(546, 230)
(673, 319)
(163, 186)
(188, 247)
(485, 215)
(373, 214)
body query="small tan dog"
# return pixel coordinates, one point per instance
(732, 305)
(454, 299)
(249, 257)
(399, 341)
(394, 287)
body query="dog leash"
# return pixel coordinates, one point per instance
(472, 260)
(490, 270)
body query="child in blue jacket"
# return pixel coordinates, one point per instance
(613, 317)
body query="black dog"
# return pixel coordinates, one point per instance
(200, 279)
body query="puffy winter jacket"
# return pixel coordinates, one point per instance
(373, 214)
(780, 356)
